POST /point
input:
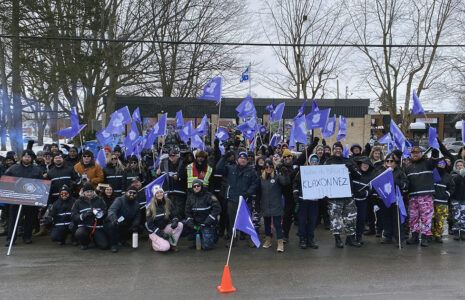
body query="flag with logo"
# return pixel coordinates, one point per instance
(245, 75)
(148, 188)
(244, 222)
(384, 186)
(317, 119)
(212, 90)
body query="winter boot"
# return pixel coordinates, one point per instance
(424, 240)
(413, 240)
(339, 243)
(41, 232)
(386, 240)
(303, 243)
(351, 241)
(286, 238)
(457, 235)
(267, 243)
(359, 239)
(280, 247)
(311, 243)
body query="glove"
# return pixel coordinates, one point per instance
(163, 235)
(209, 221)
(435, 153)
(190, 223)
(86, 215)
(368, 148)
(174, 223)
(323, 142)
(284, 171)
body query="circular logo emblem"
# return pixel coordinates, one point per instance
(29, 188)
(273, 181)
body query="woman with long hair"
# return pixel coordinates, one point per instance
(115, 175)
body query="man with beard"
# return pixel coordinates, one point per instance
(60, 216)
(24, 169)
(73, 158)
(421, 189)
(123, 218)
(61, 174)
(199, 169)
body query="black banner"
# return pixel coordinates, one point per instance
(25, 191)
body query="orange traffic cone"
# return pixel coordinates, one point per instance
(226, 284)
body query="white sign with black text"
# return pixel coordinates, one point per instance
(330, 181)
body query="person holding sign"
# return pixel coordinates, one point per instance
(343, 211)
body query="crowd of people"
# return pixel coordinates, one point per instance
(200, 196)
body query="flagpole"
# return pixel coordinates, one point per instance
(398, 225)
(234, 229)
(250, 79)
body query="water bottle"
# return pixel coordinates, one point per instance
(135, 240)
(198, 245)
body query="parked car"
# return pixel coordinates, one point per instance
(454, 146)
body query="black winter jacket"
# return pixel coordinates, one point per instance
(60, 176)
(83, 205)
(420, 177)
(157, 222)
(60, 213)
(123, 207)
(202, 205)
(116, 178)
(444, 189)
(270, 194)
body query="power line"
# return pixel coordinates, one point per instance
(252, 44)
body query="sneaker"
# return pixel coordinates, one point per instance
(114, 249)
(84, 247)
(267, 243)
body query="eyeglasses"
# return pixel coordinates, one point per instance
(196, 186)
(389, 160)
(132, 193)
(114, 158)
(86, 156)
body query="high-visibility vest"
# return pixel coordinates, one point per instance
(193, 173)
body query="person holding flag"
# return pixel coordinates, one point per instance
(421, 190)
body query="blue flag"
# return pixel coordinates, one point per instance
(262, 130)
(277, 113)
(101, 158)
(196, 142)
(314, 106)
(403, 212)
(399, 137)
(186, 132)
(345, 153)
(432, 138)
(406, 152)
(417, 108)
(270, 107)
(275, 139)
(75, 128)
(249, 128)
(342, 128)
(252, 145)
(301, 111)
(221, 149)
(118, 119)
(317, 119)
(202, 128)
(291, 138)
(159, 129)
(436, 176)
(330, 128)
(104, 137)
(136, 116)
(131, 139)
(384, 186)
(386, 139)
(300, 130)
(245, 75)
(158, 160)
(149, 187)
(179, 119)
(246, 108)
(244, 222)
(212, 91)
(222, 134)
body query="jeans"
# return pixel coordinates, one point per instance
(308, 217)
(277, 226)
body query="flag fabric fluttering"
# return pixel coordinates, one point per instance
(330, 128)
(275, 139)
(148, 188)
(246, 108)
(132, 138)
(222, 134)
(249, 128)
(179, 119)
(417, 108)
(202, 128)
(291, 138)
(399, 137)
(104, 137)
(301, 111)
(270, 107)
(342, 128)
(212, 90)
(252, 145)
(118, 119)
(186, 132)
(345, 153)
(196, 142)
(317, 119)
(386, 139)
(314, 106)
(245, 75)
(402, 211)
(244, 222)
(300, 130)
(277, 113)
(384, 186)
(136, 116)
(75, 128)
(432, 138)
(101, 159)
(158, 160)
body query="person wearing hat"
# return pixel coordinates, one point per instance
(343, 211)
(162, 222)
(135, 169)
(118, 152)
(24, 169)
(40, 158)
(114, 174)
(241, 181)
(202, 211)
(271, 183)
(88, 214)
(199, 169)
(73, 157)
(458, 200)
(421, 190)
(48, 163)
(61, 174)
(60, 216)
(123, 219)
(88, 170)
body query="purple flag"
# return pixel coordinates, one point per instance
(270, 107)
(222, 134)
(386, 139)
(246, 108)
(132, 138)
(330, 128)
(436, 176)
(159, 129)
(75, 128)
(202, 128)
(221, 149)
(101, 158)
(118, 119)
(252, 145)
(186, 132)
(277, 113)
(399, 137)
(345, 153)
(342, 128)
(244, 222)
(301, 111)
(262, 130)
(179, 119)
(291, 138)
(249, 128)
(384, 186)
(300, 130)
(196, 142)
(148, 188)
(403, 212)
(158, 160)
(136, 116)
(432, 138)
(275, 140)
(314, 106)
(104, 136)
(317, 119)
(212, 91)
(417, 108)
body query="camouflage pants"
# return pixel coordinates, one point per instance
(343, 215)
(458, 215)
(439, 216)
(421, 209)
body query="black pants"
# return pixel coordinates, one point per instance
(179, 203)
(323, 211)
(391, 223)
(361, 215)
(60, 233)
(83, 237)
(289, 212)
(232, 209)
(118, 233)
(30, 215)
(223, 223)
(308, 216)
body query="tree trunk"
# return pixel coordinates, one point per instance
(16, 131)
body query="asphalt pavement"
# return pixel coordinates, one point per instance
(44, 270)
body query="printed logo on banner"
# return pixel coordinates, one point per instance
(388, 188)
(211, 88)
(29, 188)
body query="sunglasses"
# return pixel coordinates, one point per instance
(269, 167)
(64, 194)
(389, 160)
(288, 156)
(172, 155)
(314, 160)
(86, 156)
(442, 163)
(114, 158)
(133, 162)
(132, 193)
(196, 186)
